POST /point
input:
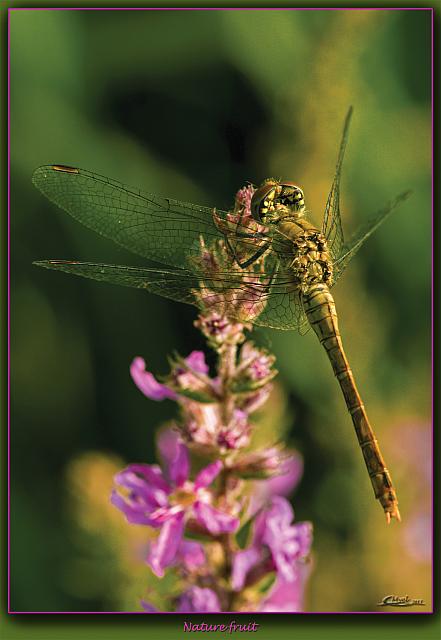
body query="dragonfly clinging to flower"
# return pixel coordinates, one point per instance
(264, 262)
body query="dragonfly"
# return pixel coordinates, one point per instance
(277, 268)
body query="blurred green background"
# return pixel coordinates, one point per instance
(193, 105)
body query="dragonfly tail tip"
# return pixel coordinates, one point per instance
(392, 514)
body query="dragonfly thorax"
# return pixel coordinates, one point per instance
(274, 200)
(311, 262)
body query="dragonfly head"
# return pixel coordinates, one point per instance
(275, 200)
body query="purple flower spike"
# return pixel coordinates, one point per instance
(198, 600)
(147, 383)
(265, 565)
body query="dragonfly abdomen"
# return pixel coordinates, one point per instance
(321, 312)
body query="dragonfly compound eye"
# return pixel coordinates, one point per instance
(276, 200)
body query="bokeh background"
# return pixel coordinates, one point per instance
(193, 105)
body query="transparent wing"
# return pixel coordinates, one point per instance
(266, 298)
(349, 249)
(174, 284)
(154, 227)
(331, 228)
(283, 308)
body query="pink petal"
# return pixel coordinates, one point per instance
(215, 521)
(199, 600)
(243, 561)
(191, 554)
(287, 542)
(281, 485)
(175, 456)
(152, 474)
(147, 383)
(163, 551)
(287, 596)
(206, 476)
(133, 514)
(196, 361)
(291, 472)
(150, 488)
(180, 466)
(280, 512)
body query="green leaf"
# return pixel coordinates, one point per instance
(244, 534)
(245, 385)
(255, 474)
(199, 396)
(199, 536)
(265, 584)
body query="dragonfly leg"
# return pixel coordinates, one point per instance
(253, 236)
(259, 253)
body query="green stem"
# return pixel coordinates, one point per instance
(227, 369)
